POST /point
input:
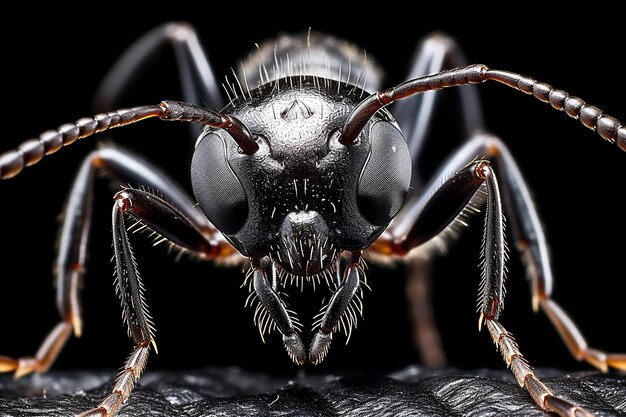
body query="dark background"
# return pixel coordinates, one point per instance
(53, 65)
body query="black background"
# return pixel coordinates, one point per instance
(52, 66)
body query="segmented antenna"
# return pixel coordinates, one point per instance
(32, 151)
(608, 127)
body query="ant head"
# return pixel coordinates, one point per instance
(302, 197)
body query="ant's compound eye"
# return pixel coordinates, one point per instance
(386, 176)
(216, 187)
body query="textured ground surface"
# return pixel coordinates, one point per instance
(234, 392)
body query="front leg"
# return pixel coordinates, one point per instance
(174, 217)
(438, 212)
(526, 230)
(135, 312)
(172, 225)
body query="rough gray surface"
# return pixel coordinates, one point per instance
(234, 392)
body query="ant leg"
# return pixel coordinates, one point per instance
(199, 84)
(74, 235)
(530, 241)
(171, 225)
(574, 340)
(435, 53)
(444, 205)
(528, 234)
(425, 332)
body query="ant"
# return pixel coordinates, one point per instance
(305, 176)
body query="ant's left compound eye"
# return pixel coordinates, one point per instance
(386, 176)
(216, 187)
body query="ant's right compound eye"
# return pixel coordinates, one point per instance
(216, 187)
(386, 176)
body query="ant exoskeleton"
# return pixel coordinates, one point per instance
(296, 177)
